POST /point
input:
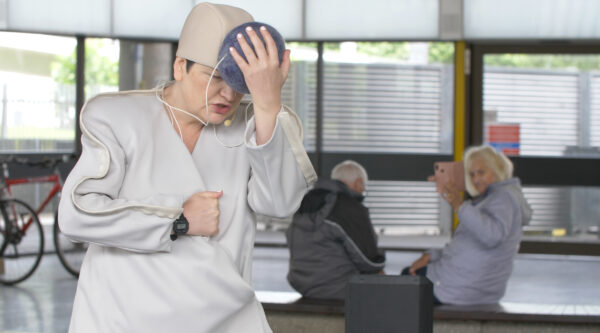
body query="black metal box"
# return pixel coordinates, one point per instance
(389, 303)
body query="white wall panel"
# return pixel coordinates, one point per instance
(150, 19)
(284, 15)
(63, 17)
(319, 20)
(3, 14)
(531, 19)
(374, 19)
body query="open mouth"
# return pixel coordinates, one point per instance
(221, 108)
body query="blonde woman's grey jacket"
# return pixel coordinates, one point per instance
(475, 266)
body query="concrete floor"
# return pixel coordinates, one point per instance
(43, 303)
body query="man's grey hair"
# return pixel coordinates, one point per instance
(348, 171)
(500, 165)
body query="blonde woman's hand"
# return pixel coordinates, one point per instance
(419, 263)
(452, 195)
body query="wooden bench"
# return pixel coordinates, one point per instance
(288, 312)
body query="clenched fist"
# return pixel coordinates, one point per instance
(202, 212)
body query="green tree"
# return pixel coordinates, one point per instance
(545, 61)
(99, 69)
(441, 52)
(63, 69)
(393, 50)
(313, 45)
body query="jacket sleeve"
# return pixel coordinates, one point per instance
(281, 171)
(490, 222)
(368, 260)
(90, 208)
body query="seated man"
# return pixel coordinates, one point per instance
(331, 236)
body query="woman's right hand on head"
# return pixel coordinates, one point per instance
(202, 212)
(419, 263)
(263, 72)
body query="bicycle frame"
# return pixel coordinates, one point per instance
(53, 178)
(24, 217)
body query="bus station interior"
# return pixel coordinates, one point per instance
(393, 85)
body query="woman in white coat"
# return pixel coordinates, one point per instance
(166, 193)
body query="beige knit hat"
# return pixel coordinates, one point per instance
(204, 30)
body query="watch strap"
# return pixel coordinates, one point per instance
(176, 230)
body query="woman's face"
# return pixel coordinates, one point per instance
(481, 175)
(222, 100)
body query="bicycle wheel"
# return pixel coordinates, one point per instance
(69, 252)
(22, 239)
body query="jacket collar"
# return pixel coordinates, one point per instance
(337, 186)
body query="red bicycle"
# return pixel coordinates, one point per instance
(22, 233)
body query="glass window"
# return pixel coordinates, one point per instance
(396, 208)
(407, 208)
(392, 98)
(550, 100)
(101, 66)
(37, 92)
(113, 65)
(385, 97)
(300, 89)
(388, 97)
(563, 212)
(142, 65)
(594, 91)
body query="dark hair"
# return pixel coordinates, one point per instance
(188, 64)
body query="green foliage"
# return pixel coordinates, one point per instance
(551, 61)
(292, 45)
(63, 69)
(331, 46)
(99, 69)
(313, 45)
(441, 53)
(392, 50)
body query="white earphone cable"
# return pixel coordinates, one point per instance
(174, 121)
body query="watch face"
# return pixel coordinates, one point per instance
(180, 226)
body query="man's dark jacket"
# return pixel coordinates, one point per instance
(331, 238)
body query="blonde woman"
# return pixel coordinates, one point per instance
(475, 266)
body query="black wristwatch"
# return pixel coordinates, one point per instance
(180, 227)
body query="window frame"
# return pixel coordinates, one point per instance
(406, 166)
(557, 171)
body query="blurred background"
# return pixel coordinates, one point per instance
(395, 85)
